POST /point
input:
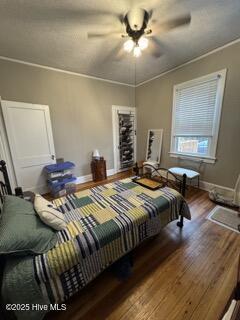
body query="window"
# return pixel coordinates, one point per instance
(196, 116)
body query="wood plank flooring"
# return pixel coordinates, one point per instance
(180, 274)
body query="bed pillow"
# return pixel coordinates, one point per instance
(21, 230)
(48, 213)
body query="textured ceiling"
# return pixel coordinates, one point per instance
(54, 33)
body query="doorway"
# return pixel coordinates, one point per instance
(124, 137)
(29, 140)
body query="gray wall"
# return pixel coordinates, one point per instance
(81, 117)
(154, 110)
(80, 108)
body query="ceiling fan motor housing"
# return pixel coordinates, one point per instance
(136, 21)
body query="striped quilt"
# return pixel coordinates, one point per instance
(103, 224)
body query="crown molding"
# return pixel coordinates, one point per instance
(65, 71)
(117, 82)
(190, 61)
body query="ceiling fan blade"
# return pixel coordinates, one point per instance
(98, 35)
(97, 16)
(150, 12)
(121, 18)
(118, 53)
(66, 14)
(172, 24)
(152, 5)
(115, 54)
(155, 47)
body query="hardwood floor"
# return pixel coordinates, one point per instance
(180, 274)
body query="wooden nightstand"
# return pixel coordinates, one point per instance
(98, 168)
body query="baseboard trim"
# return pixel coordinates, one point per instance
(43, 189)
(207, 186)
(83, 179)
(111, 172)
(88, 177)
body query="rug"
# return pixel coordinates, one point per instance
(225, 217)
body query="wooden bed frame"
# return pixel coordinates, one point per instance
(5, 189)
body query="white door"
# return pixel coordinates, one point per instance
(30, 139)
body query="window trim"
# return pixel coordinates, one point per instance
(211, 157)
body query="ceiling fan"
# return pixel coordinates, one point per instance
(138, 33)
(141, 29)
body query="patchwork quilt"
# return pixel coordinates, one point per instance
(104, 223)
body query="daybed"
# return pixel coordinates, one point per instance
(103, 224)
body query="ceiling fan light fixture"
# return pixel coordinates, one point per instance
(128, 45)
(143, 43)
(137, 52)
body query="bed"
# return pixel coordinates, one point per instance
(103, 224)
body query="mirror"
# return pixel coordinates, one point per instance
(154, 145)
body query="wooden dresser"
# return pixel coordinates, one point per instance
(98, 168)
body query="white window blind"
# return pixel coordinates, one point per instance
(196, 116)
(195, 109)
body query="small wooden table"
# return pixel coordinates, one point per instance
(98, 168)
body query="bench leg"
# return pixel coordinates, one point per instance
(180, 222)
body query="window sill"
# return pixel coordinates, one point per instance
(193, 157)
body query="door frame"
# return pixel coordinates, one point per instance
(115, 110)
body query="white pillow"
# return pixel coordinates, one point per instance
(48, 214)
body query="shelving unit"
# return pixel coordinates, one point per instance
(126, 139)
(60, 178)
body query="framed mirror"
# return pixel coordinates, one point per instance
(154, 145)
